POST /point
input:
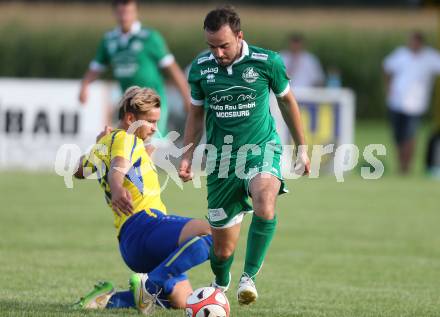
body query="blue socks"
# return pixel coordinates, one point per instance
(121, 300)
(190, 254)
(171, 271)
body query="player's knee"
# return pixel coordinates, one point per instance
(178, 303)
(223, 253)
(267, 212)
(200, 227)
(203, 228)
(195, 227)
(179, 295)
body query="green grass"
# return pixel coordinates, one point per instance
(358, 248)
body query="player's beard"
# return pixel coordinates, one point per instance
(237, 56)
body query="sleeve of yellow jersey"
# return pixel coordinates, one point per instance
(88, 167)
(123, 145)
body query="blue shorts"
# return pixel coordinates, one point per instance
(145, 241)
(404, 126)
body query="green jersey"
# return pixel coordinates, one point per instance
(236, 98)
(136, 58)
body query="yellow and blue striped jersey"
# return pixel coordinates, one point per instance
(141, 180)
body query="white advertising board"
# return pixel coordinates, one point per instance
(328, 116)
(38, 116)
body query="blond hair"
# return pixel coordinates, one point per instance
(138, 100)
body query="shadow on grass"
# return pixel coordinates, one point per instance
(29, 308)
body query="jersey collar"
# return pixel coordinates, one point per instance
(244, 53)
(134, 29)
(124, 37)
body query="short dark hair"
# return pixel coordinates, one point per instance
(115, 3)
(296, 37)
(219, 17)
(418, 36)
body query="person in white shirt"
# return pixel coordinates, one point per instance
(409, 75)
(302, 67)
(304, 70)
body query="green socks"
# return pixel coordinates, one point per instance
(260, 235)
(221, 268)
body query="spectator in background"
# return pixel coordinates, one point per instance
(302, 67)
(409, 74)
(333, 77)
(137, 56)
(304, 70)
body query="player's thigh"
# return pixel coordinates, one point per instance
(164, 239)
(194, 227)
(180, 293)
(264, 189)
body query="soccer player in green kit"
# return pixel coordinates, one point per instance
(231, 85)
(137, 56)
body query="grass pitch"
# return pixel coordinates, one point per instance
(358, 248)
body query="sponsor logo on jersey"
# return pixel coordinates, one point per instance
(209, 70)
(249, 75)
(260, 56)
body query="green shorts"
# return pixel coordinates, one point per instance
(228, 195)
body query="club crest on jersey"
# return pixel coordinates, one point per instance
(249, 75)
(136, 46)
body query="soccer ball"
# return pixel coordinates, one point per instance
(207, 302)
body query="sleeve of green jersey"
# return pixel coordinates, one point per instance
(279, 81)
(161, 53)
(197, 95)
(101, 59)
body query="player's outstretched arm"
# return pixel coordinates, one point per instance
(89, 77)
(79, 174)
(175, 73)
(193, 134)
(292, 116)
(121, 198)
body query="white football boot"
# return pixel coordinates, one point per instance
(224, 289)
(247, 292)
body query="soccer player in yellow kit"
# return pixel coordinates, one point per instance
(150, 241)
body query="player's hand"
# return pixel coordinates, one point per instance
(121, 201)
(302, 164)
(83, 94)
(185, 170)
(103, 133)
